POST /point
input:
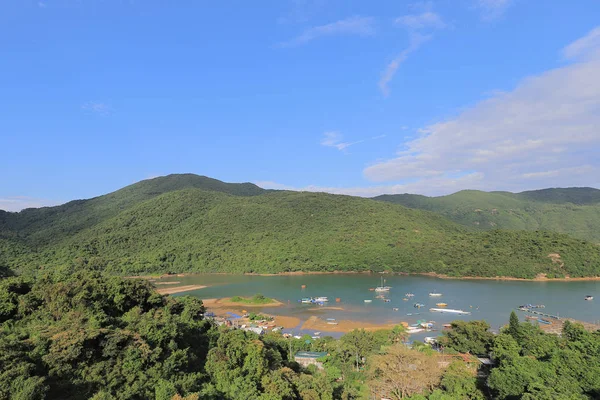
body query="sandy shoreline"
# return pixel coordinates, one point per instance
(226, 302)
(539, 278)
(344, 325)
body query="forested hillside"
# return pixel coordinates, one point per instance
(574, 211)
(191, 229)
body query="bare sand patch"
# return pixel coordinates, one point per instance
(179, 289)
(344, 326)
(167, 283)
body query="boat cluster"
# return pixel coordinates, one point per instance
(314, 300)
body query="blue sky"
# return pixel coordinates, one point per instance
(348, 97)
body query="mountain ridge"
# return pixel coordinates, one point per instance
(171, 225)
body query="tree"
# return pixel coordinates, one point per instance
(359, 342)
(403, 372)
(469, 337)
(460, 382)
(514, 326)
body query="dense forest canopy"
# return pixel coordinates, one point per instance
(187, 223)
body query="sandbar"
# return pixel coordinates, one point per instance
(179, 289)
(345, 326)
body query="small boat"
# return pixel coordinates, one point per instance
(531, 317)
(337, 299)
(371, 289)
(317, 333)
(588, 297)
(303, 286)
(409, 295)
(382, 287)
(435, 294)
(306, 300)
(387, 300)
(543, 321)
(441, 304)
(368, 301)
(429, 340)
(321, 299)
(418, 305)
(447, 326)
(395, 308)
(450, 311)
(409, 314)
(405, 299)
(331, 323)
(330, 319)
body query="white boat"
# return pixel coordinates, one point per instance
(409, 295)
(430, 340)
(321, 299)
(368, 301)
(435, 294)
(317, 333)
(450, 311)
(382, 288)
(589, 297)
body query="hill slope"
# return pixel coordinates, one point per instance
(40, 226)
(574, 211)
(197, 230)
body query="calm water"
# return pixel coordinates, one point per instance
(489, 300)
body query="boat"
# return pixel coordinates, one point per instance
(543, 321)
(321, 299)
(429, 340)
(395, 308)
(387, 300)
(588, 297)
(435, 294)
(382, 288)
(441, 304)
(450, 311)
(418, 305)
(409, 295)
(306, 300)
(368, 301)
(332, 323)
(317, 333)
(405, 299)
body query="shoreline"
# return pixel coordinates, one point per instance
(539, 278)
(178, 289)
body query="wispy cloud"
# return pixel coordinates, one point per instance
(97, 107)
(426, 20)
(420, 27)
(416, 40)
(492, 9)
(543, 133)
(18, 203)
(335, 139)
(587, 46)
(360, 26)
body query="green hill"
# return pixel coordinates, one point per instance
(40, 226)
(138, 229)
(574, 211)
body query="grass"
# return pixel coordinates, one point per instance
(256, 299)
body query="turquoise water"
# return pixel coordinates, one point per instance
(485, 299)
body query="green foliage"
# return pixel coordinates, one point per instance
(256, 299)
(469, 337)
(173, 225)
(574, 211)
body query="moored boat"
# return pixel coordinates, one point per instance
(588, 297)
(382, 287)
(450, 311)
(321, 299)
(409, 295)
(368, 301)
(441, 304)
(434, 294)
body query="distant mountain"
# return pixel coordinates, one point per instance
(191, 223)
(574, 211)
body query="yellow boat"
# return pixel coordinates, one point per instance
(441, 304)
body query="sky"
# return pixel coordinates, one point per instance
(342, 96)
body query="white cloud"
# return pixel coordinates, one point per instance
(416, 40)
(587, 46)
(492, 9)
(432, 187)
(426, 20)
(361, 26)
(420, 29)
(544, 133)
(335, 139)
(97, 107)
(18, 203)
